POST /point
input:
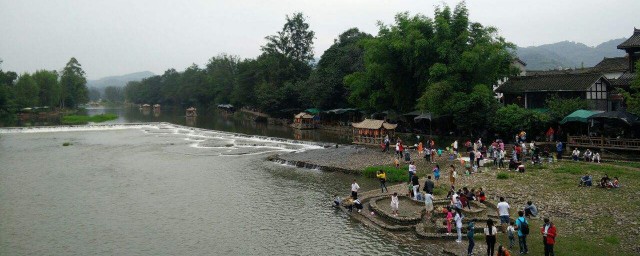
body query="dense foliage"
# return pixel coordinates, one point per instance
(632, 97)
(43, 88)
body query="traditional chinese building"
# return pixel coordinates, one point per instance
(372, 132)
(304, 121)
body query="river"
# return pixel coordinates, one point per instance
(163, 189)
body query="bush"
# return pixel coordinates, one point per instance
(66, 144)
(393, 174)
(503, 176)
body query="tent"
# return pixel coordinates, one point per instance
(579, 115)
(313, 111)
(624, 116)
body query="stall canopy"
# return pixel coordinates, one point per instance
(579, 115)
(313, 111)
(373, 124)
(624, 116)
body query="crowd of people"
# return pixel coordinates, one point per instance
(521, 152)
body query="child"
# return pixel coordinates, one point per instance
(358, 204)
(510, 233)
(436, 173)
(396, 162)
(394, 204)
(449, 220)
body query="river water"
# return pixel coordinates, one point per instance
(163, 189)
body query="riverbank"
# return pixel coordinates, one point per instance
(590, 220)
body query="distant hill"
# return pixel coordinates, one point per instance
(567, 54)
(119, 81)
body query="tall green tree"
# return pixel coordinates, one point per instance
(7, 80)
(513, 118)
(222, 72)
(632, 96)
(74, 84)
(50, 89)
(325, 88)
(559, 108)
(26, 91)
(294, 41)
(114, 94)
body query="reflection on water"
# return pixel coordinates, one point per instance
(220, 121)
(170, 190)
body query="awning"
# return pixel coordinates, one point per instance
(624, 116)
(374, 124)
(314, 111)
(579, 115)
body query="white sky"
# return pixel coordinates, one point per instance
(116, 37)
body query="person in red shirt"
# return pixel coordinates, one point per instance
(549, 233)
(550, 133)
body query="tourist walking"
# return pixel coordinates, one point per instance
(523, 230)
(458, 218)
(428, 185)
(559, 149)
(449, 220)
(386, 143)
(428, 204)
(470, 233)
(549, 233)
(427, 155)
(436, 173)
(398, 149)
(490, 237)
(503, 212)
(354, 189)
(395, 203)
(550, 133)
(452, 175)
(412, 170)
(416, 186)
(500, 158)
(383, 180)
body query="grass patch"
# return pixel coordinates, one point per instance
(66, 144)
(393, 174)
(502, 176)
(612, 240)
(78, 119)
(627, 164)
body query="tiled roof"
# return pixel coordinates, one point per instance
(374, 124)
(559, 72)
(564, 82)
(612, 65)
(633, 41)
(624, 80)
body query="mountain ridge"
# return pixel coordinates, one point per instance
(119, 80)
(568, 54)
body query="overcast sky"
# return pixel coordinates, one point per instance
(116, 37)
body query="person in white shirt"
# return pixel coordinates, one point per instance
(503, 212)
(428, 203)
(575, 154)
(458, 218)
(596, 157)
(354, 189)
(395, 204)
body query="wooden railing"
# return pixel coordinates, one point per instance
(602, 142)
(358, 139)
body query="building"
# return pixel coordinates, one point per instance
(372, 131)
(533, 91)
(532, 88)
(522, 71)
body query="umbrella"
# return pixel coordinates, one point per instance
(579, 115)
(314, 111)
(623, 116)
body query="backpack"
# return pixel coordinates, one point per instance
(524, 227)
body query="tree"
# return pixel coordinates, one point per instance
(513, 118)
(222, 71)
(295, 41)
(6, 91)
(560, 108)
(26, 91)
(632, 96)
(114, 94)
(50, 89)
(325, 88)
(74, 84)
(94, 94)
